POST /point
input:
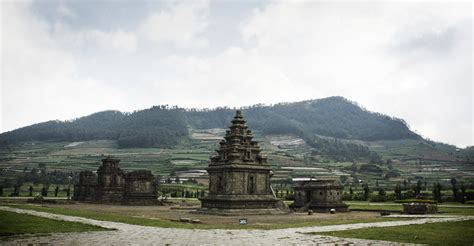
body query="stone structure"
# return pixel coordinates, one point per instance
(320, 195)
(113, 185)
(140, 188)
(239, 177)
(85, 190)
(420, 208)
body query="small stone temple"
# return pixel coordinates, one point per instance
(112, 185)
(139, 188)
(239, 177)
(85, 190)
(321, 195)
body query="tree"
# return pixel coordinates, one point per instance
(463, 192)
(382, 192)
(435, 192)
(351, 191)
(56, 191)
(366, 191)
(44, 191)
(30, 191)
(1, 190)
(455, 189)
(68, 192)
(16, 191)
(417, 188)
(437, 196)
(398, 192)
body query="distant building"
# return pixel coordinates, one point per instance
(322, 194)
(239, 177)
(113, 185)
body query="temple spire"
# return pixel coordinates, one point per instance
(238, 146)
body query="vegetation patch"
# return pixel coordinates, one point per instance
(13, 224)
(446, 233)
(452, 209)
(157, 222)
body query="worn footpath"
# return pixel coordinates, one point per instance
(126, 234)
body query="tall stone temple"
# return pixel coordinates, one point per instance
(239, 177)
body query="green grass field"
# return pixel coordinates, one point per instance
(68, 157)
(12, 224)
(455, 209)
(448, 233)
(116, 217)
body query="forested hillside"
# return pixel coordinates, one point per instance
(158, 126)
(161, 126)
(333, 117)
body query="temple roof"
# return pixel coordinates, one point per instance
(237, 147)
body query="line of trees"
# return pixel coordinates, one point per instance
(379, 194)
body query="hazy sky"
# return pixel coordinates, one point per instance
(65, 59)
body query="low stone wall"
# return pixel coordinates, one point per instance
(420, 208)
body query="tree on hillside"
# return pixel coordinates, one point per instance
(454, 188)
(417, 188)
(366, 191)
(398, 192)
(463, 192)
(437, 192)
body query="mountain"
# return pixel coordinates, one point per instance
(162, 126)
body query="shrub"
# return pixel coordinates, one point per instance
(416, 201)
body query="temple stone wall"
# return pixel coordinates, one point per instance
(319, 195)
(420, 208)
(85, 190)
(112, 185)
(140, 186)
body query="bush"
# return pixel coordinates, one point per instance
(346, 197)
(416, 201)
(377, 198)
(469, 202)
(370, 168)
(359, 196)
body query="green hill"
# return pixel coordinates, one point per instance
(162, 126)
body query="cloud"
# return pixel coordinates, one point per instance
(40, 80)
(411, 61)
(180, 24)
(64, 11)
(113, 41)
(119, 40)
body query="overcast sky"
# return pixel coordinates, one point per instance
(65, 59)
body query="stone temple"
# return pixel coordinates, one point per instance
(112, 185)
(239, 177)
(321, 195)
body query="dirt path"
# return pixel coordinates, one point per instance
(127, 234)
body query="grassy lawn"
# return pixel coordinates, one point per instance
(116, 217)
(12, 224)
(447, 233)
(399, 207)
